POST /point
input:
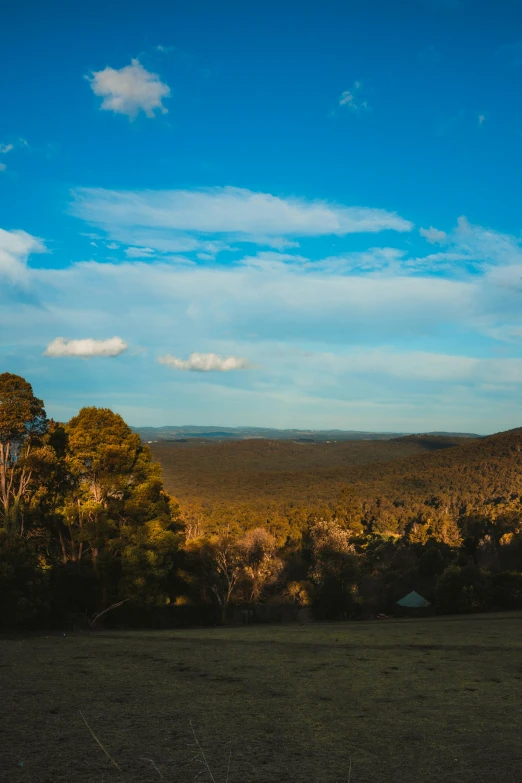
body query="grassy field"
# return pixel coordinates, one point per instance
(410, 701)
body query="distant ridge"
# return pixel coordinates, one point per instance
(267, 433)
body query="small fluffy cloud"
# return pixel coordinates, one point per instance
(228, 210)
(205, 362)
(86, 348)
(129, 90)
(4, 149)
(15, 248)
(351, 99)
(366, 306)
(433, 235)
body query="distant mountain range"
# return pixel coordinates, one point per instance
(246, 433)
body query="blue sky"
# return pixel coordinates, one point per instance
(283, 214)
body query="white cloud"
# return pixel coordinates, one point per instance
(475, 248)
(6, 148)
(450, 262)
(485, 246)
(278, 301)
(277, 243)
(410, 366)
(481, 119)
(351, 99)
(129, 90)
(270, 260)
(15, 248)
(161, 241)
(205, 362)
(506, 333)
(228, 210)
(423, 365)
(139, 252)
(373, 313)
(85, 348)
(433, 235)
(375, 259)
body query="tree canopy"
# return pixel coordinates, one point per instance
(88, 533)
(23, 422)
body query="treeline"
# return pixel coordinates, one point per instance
(88, 535)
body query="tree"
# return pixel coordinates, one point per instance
(24, 593)
(43, 510)
(22, 424)
(261, 566)
(335, 570)
(218, 562)
(116, 515)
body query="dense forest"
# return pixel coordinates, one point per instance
(253, 530)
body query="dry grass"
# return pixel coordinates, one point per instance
(413, 701)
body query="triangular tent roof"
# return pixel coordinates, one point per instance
(413, 600)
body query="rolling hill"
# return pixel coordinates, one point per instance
(389, 483)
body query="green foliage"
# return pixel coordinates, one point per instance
(216, 565)
(24, 596)
(117, 516)
(22, 415)
(447, 592)
(431, 562)
(423, 488)
(336, 569)
(463, 589)
(92, 519)
(22, 425)
(86, 524)
(507, 590)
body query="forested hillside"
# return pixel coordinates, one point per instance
(238, 470)
(383, 486)
(263, 530)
